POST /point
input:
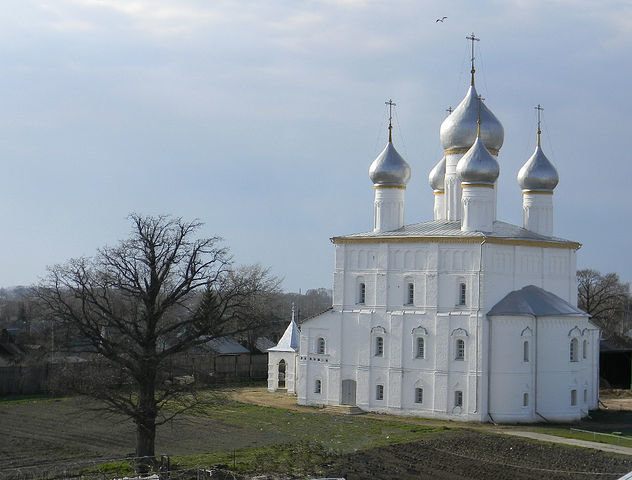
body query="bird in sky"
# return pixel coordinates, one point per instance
(440, 19)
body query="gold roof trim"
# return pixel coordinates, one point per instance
(453, 151)
(403, 187)
(539, 192)
(439, 192)
(485, 185)
(498, 241)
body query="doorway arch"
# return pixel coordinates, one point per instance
(281, 372)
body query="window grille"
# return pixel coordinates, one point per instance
(460, 349)
(421, 348)
(379, 346)
(379, 392)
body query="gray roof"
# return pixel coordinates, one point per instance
(225, 346)
(534, 301)
(289, 341)
(263, 343)
(452, 229)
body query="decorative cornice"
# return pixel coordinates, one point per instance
(498, 241)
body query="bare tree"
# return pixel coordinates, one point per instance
(604, 297)
(153, 296)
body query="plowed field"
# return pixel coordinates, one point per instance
(42, 439)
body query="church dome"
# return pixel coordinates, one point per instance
(437, 176)
(538, 173)
(389, 168)
(478, 165)
(458, 130)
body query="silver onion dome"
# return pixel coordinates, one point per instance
(538, 173)
(478, 165)
(389, 168)
(437, 176)
(458, 130)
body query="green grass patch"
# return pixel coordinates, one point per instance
(109, 469)
(43, 397)
(342, 433)
(316, 438)
(623, 440)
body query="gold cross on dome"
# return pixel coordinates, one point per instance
(473, 39)
(390, 104)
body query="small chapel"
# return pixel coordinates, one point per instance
(462, 317)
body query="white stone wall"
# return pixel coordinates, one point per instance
(437, 270)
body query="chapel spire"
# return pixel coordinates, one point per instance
(389, 173)
(537, 179)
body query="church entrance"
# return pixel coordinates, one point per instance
(348, 392)
(282, 374)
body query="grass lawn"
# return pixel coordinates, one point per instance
(315, 437)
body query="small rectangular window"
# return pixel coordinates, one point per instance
(379, 392)
(525, 399)
(585, 396)
(573, 397)
(585, 350)
(379, 346)
(462, 292)
(460, 350)
(525, 351)
(362, 293)
(419, 395)
(421, 348)
(410, 299)
(317, 386)
(458, 398)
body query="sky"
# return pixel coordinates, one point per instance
(261, 118)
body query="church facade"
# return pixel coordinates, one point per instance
(463, 317)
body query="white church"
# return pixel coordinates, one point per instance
(464, 317)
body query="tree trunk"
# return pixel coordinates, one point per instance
(146, 426)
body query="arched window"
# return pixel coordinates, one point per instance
(379, 346)
(574, 347)
(317, 386)
(585, 349)
(420, 350)
(460, 349)
(410, 294)
(379, 392)
(281, 383)
(525, 351)
(362, 293)
(320, 346)
(419, 395)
